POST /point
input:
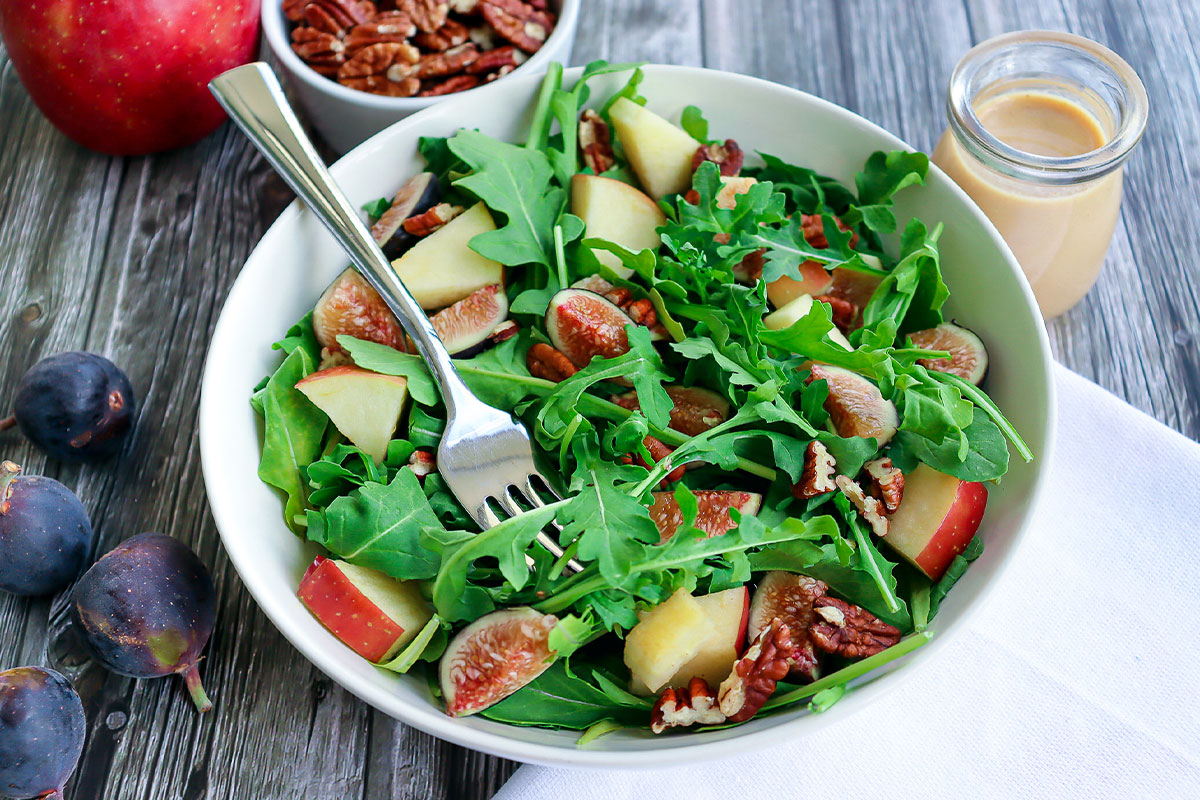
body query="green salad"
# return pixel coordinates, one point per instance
(772, 445)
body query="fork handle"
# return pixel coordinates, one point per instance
(252, 96)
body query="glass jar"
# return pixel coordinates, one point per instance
(1041, 123)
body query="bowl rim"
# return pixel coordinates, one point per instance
(432, 720)
(275, 31)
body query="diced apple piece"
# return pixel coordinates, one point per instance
(814, 280)
(442, 269)
(937, 519)
(728, 612)
(795, 310)
(374, 615)
(731, 187)
(659, 152)
(365, 406)
(669, 635)
(617, 212)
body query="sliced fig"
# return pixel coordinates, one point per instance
(493, 657)
(856, 405)
(855, 288)
(352, 307)
(583, 324)
(789, 597)
(712, 516)
(593, 283)
(416, 197)
(696, 410)
(968, 356)
(466, 326)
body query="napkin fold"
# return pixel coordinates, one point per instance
(1079, 677)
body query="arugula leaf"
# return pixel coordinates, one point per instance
(913, 293)
(390, 361)
(883, 175)
(807, 190)
(869, 558)
(986, 457)
(380, 526)
(565, 106)
(558, 698)
(955, 571)
(693, 122)
(293, 429)
(824, 700)
(376, 208)
(609, 526)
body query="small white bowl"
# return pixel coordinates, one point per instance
(345, 117)
(296, 259)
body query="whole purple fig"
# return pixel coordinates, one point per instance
(42, 727)
(45, 534)
(146, 610)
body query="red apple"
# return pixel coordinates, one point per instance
(374, 615)
(128, 77)
(937, 519)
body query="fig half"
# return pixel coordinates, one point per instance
(493, 657)
(968, 356)
(466, 326)
(856, 406)
(583, 324)
(417, 196)
(352, 307)
(789, 597)
(696, 410)
(712, 515)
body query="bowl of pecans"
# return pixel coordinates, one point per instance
(357, 66)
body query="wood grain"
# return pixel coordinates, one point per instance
(133, 257)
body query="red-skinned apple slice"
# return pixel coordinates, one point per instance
(937, 519)
(374, 615)
(365, 406)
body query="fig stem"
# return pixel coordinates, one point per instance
(53, 794)
(8, 422)
(191, 677)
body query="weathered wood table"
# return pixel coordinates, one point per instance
(133, 257)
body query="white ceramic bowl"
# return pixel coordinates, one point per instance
(296, 259)
(345, 117)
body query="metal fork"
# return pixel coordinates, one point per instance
(485, 457)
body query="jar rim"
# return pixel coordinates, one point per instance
(1131, 114)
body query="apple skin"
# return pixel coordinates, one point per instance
(948, 515)
(346, 612)
(128, 77)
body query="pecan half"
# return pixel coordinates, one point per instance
(422, 463)
(294, 9)
(429, 15)
(849, 631)
(619, 296)
(451, 34)
(595, 142)
(728, 157)
(451, 62)
(520, 23)
(324, 52)
(814, 230)
(335, 16)
(869, 507)
(455, 83)
(678, 708)
(887, 483)
(387, 28)
(385, 69)
(756, 673)
(843, 311)
(548, 363)
(432, 220)
(642, 312)
(817, 477)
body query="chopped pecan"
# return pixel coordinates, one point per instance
(520, 23)
(496, 59)
(817, 477)
(324, 52)
(618, 296)
(677, 708)
(385, 69)
(844, 312)
(870, 508)
(335, 16)
(847, 630)
(334, 358)
(504, 331)
(756, 673)
(429, 15)
(451, 62)
(451, 34)
(431, 220)
(548, 363)
(387, 27)
(728, 157)
(595, 142)
(887, 483)
(455, 83)
(422, 463)
(642, 312)
(814, 230)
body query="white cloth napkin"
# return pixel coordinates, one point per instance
(1080, 678)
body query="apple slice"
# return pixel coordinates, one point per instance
(670, 635)
(442, 269)
(814, 280)
(936, 520)
(374, 615)
(365, 406)
(728, 613)
(617, 212)
(659, 152)
(795, 310)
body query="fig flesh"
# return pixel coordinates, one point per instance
(352, 307)
(789, 597)
(75, 406)
(968, 356)
(712, 515)
(146, 610)
(466, 326)
(696, 410)
(583, 324)
(493, 657)
(45, 534)
(856, 406)
(42, 727)
(417, 196)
